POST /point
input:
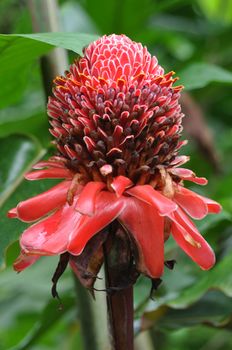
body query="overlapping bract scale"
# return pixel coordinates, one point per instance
(116, 106)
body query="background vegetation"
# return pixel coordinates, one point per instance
(192, 309)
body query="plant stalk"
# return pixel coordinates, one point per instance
(119, 295)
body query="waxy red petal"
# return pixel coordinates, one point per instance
(23, 261)
(86, 201)
(52, 235)
(12, 213)
(43, 164)
(107, 209)
(52, 173)
(147, 227)
(36, 207)
(180, 160)
(120, 183)
(186, 174)
(190, 240)
(213, 207)
(191, 202)
(147, 194)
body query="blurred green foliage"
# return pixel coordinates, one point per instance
(192, 309)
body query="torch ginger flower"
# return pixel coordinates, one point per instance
(116, 120)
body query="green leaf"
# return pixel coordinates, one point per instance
(216, 10)
(26, 117)
(16, 55)
(36, 125)
(111, 20)
(214, 309)
(30, 313)
(18, 154)
(49, 317)
(219, 278)
(199, 75)
(70, 41)
(18, 51)
(21, 48)
(31, 104)
(190, 288)
(122, 16)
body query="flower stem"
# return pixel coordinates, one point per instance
(119, 295)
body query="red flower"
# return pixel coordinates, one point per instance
(116, 120)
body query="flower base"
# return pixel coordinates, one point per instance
(120, 275)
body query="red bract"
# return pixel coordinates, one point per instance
(116, 120)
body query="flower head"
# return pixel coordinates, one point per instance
(116, 120)
(116, 113)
